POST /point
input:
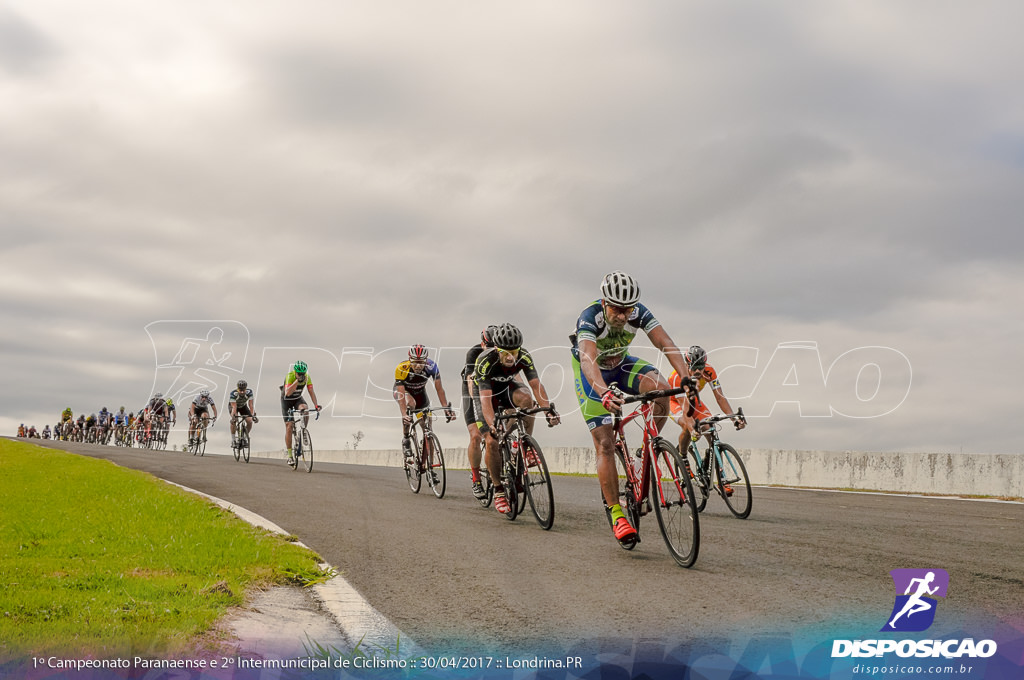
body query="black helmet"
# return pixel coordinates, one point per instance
(697, 358)
(488, 333)
(242, 384)
(507, 336)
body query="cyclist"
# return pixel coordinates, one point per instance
(240, 403)
(66, 424)
(600, 356)
(103, 422)
(495, 374)
(155, 410)
(172, 412)
(46, 431)
(298, 379)
(90, 426)
(32, 432)
(120, 423)
(200, 409)
(21, 430)
(702, 374)
(468, 395)
(410, 390)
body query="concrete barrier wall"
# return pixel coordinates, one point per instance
(962, 474)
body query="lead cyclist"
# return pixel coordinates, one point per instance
(600, 357)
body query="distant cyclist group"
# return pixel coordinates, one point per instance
(499, 381)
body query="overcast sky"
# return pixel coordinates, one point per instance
(825, 195)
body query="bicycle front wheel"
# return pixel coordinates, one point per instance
(672, 495)
(202, 442)
(307, 450)
(733, 483)
(437, 478)
(236, 448)
(698, 479)
(538, 483)
(244, 447)
(412, 466)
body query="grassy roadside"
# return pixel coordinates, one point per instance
(104, 561)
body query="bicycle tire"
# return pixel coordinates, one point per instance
(236, 447)
(698, 477)
(485, 482)
(202, 442)
(245, 447)
(672, 496)
(307, 450)
(412, 466)
(508, 481)
(437, 477)
(734, 473)
(537, 481)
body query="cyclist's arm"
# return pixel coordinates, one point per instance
(539, 393)
(486, 407)
(589, 367)
(312, 395)
(442, 397)
(660, 339)
(400, 398)
(214, 407)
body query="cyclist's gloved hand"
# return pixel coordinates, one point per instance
(612, 399)
(407, 419)
(255, 419)
(553, 417)
(740, 422)
(449, 415)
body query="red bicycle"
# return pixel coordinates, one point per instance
(655, 476)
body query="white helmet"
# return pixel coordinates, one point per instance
(620, 289)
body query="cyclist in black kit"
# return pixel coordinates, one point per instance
(494, 373)
(468, 397)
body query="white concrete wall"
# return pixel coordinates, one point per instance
(964, 474)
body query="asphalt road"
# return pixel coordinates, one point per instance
(461, 578)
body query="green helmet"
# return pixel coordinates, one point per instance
(299, 367)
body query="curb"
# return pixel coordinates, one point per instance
(355, 618)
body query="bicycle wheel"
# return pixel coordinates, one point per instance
(437, 478)
(672, 495)
(698, 479)
(732, 472)
(509, 480)
(202, 441)
(412, 466)
(236, 447)
(244, 446)
(538, 483)
(485, 482)
(307, 450)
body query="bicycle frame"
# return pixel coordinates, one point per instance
(429, 461)
(673, 502)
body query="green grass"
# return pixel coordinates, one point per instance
(101, 560)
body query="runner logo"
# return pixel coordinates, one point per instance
(914, 609)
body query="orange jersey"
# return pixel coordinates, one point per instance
(707, 376)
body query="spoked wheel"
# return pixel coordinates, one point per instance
(485, 482)
(697, 480)
(236, 447)
(732, 476)
(193, 445)
(243, 447)
(412, 466)
(307, 450)
(510, 479)
(627, 497)
(437, 478)
(538, 483)
(202, 441)
(672, 495)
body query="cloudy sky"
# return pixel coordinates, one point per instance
(826, 195)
